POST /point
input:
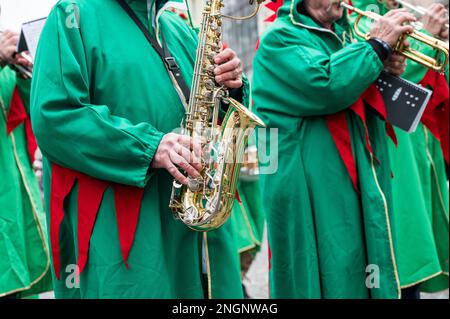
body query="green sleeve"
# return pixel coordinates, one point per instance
(300, 80)
(73, 132)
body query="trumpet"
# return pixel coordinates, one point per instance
(25, 71)
(421, 11)
(438, 63)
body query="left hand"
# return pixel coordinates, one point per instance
(435, 19)
(395, 65)
(229, 69)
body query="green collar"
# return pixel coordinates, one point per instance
(289, 9)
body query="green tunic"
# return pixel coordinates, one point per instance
(101, 102)
(420, 193)
(322, 233)
(24, 254)
(249, 217)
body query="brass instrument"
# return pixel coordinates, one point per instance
(206, 202)
(421, 11)
(25, 71)
(438, 63)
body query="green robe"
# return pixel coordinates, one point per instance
(249, 217)
(101, 102)
(322, 233)
(420, 193)
(24, 253)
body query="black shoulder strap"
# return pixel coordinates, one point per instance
(167, 58)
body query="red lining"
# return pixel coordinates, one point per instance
(127, 201)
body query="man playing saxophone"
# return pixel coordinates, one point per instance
(103, 109)
(330, 233)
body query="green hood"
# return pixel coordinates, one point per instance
(289, 9)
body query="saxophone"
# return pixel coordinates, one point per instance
(206, 202)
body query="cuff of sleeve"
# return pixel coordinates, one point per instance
(152, 146)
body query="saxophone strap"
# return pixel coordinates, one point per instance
(163, 52)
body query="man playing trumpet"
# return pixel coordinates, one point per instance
(330, 232)
(418, 168)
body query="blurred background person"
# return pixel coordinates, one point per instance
(24, 252)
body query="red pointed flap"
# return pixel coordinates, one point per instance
(128, 204)
(31, 140)
(338, 126)
(16, 114)
(375, 100)
(359, 110)
(436, 114)
(90, 194)
(61, 185)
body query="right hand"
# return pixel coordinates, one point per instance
(8, 43)
(178, 151)
(390, 27)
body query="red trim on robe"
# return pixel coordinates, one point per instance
(17, 116)
(338, 126)
(127, 201)
(435, 117)
(61, 186)
(128, 205)
(90, 194)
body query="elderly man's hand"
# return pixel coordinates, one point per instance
(395, 65)
(178, 152)
(229, 70)
(392, 26)
(435, 19)
(8, 43)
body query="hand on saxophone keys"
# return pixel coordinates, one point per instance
(229, 69)
(177, 152)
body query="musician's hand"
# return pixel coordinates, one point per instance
(229, 69)
(444, 33)
(435, 19)
(391, 26)
(395, 65)
(178, 152)
(391, 4)
(8, 43)
(19, 59)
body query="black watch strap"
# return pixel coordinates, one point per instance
(382, 48)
